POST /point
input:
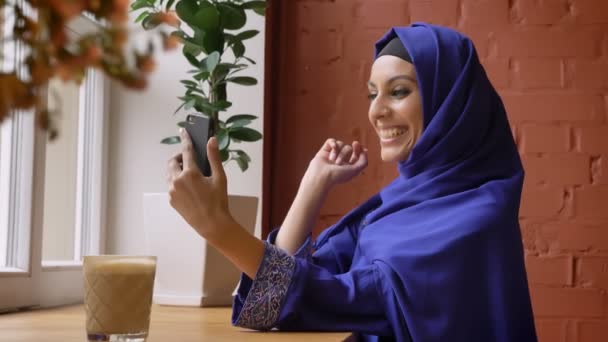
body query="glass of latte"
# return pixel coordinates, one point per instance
(118, 297)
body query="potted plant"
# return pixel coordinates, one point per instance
(212, 33)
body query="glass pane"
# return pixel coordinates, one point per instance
(60, 176)
(3, 214)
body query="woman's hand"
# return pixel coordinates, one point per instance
(201, 201)
(337, 162)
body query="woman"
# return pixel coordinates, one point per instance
(434, 256)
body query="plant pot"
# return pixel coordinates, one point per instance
(189, 271)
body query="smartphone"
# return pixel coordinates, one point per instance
(200, 131)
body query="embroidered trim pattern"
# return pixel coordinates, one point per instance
(265, 298)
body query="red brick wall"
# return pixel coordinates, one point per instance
(549, 61)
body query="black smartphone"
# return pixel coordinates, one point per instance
(200, 130)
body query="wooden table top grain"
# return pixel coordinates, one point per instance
(168, 324)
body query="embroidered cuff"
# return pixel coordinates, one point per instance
(263, 303)
(305, 250)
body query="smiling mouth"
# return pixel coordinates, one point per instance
(391, 134)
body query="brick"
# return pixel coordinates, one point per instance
(553, 107)
(544, 138)
(592, 331)
(539, 13)
(541, 202)
(382, 13)
(359, 43)
(599, 170)
(528, 235)
(445, 12)
(549, 270)
(587, 74)
(481, 40)
(486, 13)
(591, 11)
(308, 43)
(540, 42)
(498, 71)
(575, 236)
(567, 302)
(328, 15)
(558, 169)
(592, 139)
(534, 73)
(593, 272)
(551, 330)
(590, 202)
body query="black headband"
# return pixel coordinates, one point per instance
(395, 48)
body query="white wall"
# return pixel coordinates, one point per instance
(137, 161)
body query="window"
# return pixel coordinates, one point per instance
(51, 193)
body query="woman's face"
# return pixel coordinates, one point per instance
(395, 110)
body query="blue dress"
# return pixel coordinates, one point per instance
(436, 255)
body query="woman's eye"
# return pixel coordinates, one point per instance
(400, 92)
(371, 96)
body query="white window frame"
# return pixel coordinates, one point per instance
(35, 282)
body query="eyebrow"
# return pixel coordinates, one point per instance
(394, 78)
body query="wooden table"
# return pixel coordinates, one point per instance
(177, 324)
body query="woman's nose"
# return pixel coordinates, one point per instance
(378, 109)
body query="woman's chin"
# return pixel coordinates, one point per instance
(394, 156)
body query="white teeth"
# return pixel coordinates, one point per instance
(391, 133)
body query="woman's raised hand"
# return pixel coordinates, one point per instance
(337, 162)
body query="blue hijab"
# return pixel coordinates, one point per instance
(445, 232)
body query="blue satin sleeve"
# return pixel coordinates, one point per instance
(312, 291)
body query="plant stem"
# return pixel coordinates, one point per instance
(215, 125)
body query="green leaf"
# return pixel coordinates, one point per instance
(186, 10)
(238, 49)
(260, 11)
(243, 80)
(211, 61)
(190, 57)
(216, 107)
(254, 5)
(151, 21)
(224, 154)
(223, 104)
(169, 4)
(192, 49)
(213, 41)
(180, 107)
(228, 66)
(188, 105)
(241, 117)
(243, 163)
(171, 140)
(207, 18)
(250, 60)
(243, 155)
(141, 16)
(247, 34)
(139, 4)
(246, 134)
(189, 83)
(202, 76)
(228, 37)
(240, 123)
(223, 139)
(220, 91)
(182, 124)
(233, 17)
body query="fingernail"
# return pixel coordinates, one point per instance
(181, 130)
